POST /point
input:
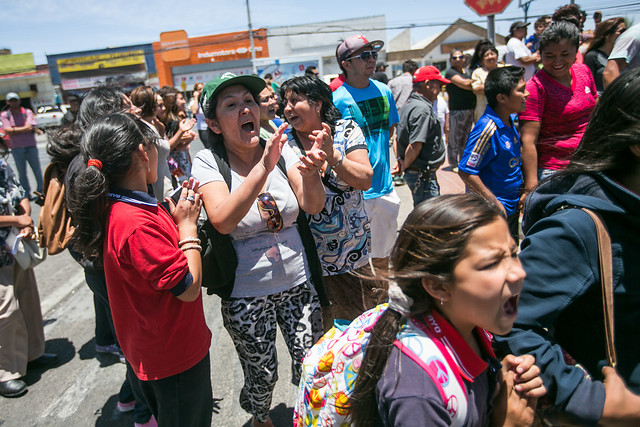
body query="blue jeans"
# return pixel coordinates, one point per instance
(423, 185)
(23, 155)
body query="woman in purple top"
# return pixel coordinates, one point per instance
(561, 98)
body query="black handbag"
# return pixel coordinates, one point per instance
(219, 258)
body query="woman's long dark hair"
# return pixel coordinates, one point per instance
(603, 30)
(64, 143)
(169, 95)
(614, 127)
(317, 91)
(431, 242)
(144, 98)
(113, 140)
(478, 52)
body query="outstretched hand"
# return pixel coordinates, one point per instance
(316, 156)
(273, 148)
(187, 124)
(327, 143)
(621, 406)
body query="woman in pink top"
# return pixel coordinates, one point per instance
(561, 98)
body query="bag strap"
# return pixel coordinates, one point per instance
(220, 155)
(309, 244)
(606, 280)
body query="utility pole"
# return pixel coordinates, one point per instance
(491, 28)
(253, 49)
(525, 7)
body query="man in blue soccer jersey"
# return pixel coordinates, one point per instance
(490, 165)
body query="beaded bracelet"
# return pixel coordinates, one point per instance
(196, 247)
(189, 240)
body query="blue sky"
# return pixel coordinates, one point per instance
(58, 26)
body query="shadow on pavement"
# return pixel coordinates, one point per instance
(281, 415)
(88, 351)
(109, 416)
(60, 346)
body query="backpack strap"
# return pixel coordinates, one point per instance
(423, 347)
(606, 283)
(220, 155)
(605, 260)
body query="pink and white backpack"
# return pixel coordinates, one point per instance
(330, 368)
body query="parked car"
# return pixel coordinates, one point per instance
(49, 116)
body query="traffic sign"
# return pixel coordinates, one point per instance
(487, 7)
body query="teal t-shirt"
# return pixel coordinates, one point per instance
(374, 110)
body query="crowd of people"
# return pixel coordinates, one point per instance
(296, 184)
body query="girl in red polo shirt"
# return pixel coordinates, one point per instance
(152, 267)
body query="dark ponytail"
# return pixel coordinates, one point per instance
(112, 140)
(431, 242)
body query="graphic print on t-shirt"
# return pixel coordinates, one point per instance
(373, 113)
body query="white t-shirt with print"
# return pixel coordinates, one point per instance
(268, 262)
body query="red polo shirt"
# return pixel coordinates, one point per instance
(160, 335)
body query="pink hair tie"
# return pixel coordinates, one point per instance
(95, 162)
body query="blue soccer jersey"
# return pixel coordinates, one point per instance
(493, 153)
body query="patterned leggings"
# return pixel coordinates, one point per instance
(252, 322)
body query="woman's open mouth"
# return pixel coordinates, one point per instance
(248, 126)
(510, 307)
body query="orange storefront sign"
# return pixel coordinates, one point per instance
(207, 49)
(174, 46)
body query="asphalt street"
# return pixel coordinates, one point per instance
(82, 389)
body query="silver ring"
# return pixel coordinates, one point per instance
(191, 198)
(182, 198)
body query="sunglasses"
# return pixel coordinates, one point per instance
(365, 56)
(457, 57)
(270, 212)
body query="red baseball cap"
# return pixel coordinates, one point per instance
(428, 73)
(354, 44)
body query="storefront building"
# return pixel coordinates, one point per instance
(182, 61)
(125, 66)
(18, 73)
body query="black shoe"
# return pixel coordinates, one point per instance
(13, 388)
(43, 361)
